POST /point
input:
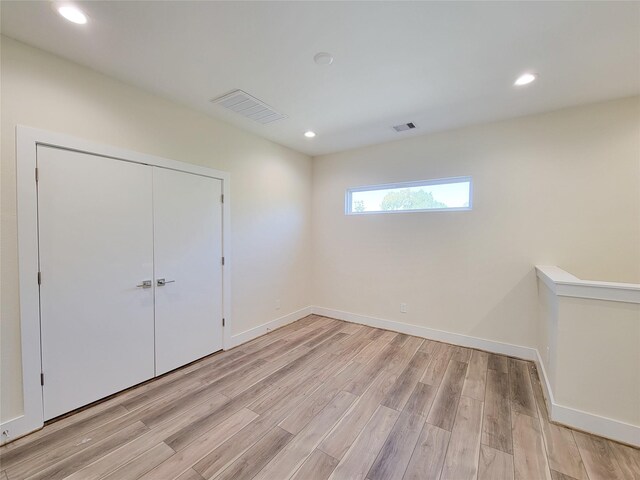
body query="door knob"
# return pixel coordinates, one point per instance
(162, 281)
(145, 284)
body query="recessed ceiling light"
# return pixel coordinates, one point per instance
(309, 134)
(73, 14)
(525, 79)
(323, 58)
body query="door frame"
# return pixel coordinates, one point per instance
(27, 141)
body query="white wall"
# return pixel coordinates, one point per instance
(270, 184)
(589, 347)
(547, 341)
(553, 189)
(562, 188)
(598, 358)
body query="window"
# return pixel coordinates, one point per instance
(422, 196)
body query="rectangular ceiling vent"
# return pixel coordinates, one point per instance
(248, 106)
(404, 126)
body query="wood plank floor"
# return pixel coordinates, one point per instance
(322, 399)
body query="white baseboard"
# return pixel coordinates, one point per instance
(18, 427)
(23, 425)
(592, 423)
(588, 422)
(526, 353)
(544, 380)
(260, 330)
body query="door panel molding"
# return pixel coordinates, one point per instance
(27, 140)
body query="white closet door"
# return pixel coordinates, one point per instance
(188, 251)
(96, 246)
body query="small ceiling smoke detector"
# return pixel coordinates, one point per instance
(244, 104)
(525, 79)
(73, 14)
(404, 126)
(309, 134)
(323, 58)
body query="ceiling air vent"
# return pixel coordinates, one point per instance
(404, 126)
(248, 106)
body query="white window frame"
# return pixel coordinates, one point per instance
(417, 183)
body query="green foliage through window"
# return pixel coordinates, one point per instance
(408, 199)
(439, 194)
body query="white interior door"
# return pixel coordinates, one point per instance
(188, 251)
(96, 247)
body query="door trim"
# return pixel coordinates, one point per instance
(27, 140)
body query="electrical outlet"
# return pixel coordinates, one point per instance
(278, 304)
(403, 308)
(548, 354)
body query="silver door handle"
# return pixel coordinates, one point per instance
(162, 281)
(145, 284)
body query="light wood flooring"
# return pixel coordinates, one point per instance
(323, 399)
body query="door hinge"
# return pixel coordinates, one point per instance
(223, 261)
(42, 379)
(223, 322)
(222, 198)
(39, 278)
(37, 174)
